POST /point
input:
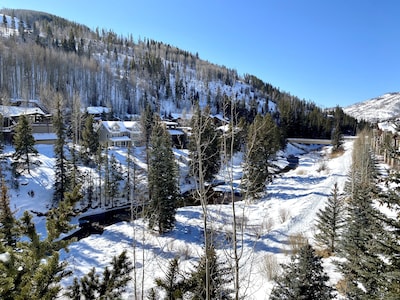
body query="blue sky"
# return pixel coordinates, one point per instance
(329, 52)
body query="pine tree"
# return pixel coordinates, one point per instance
(24, 143)
(204, 145)
(330, 221)
(110, 285)
(174, 283)
(163, 186)
(362, 242)
(360, 246)
(147, 122)
(262, 144)
(303, 278)
(90, 138)
(61, 166)
(391, 247)
(115, 176)
(8, 224)
(391, 277)
(337, 135)
(35, 271)
(218, 279)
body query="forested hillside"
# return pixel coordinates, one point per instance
(42, 54)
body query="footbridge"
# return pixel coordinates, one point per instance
(310, 141)
(318, 141)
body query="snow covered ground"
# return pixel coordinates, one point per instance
(289, 209)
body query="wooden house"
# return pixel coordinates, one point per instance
(120, 133)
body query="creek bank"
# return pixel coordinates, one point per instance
(95, 223)
(217, 194)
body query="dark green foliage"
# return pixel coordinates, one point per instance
(303, 278)
(218, 278)
(337, 135)
(61, 182)
(174, 284)
(8, 224)
(163, 184)
(360, 246)
(330, 221)
(110, 285)
(90, 137)
(147, 122)
(113, 178)
(204, 146)
(391, 248)
(262, 144)
(365, 238)
(34, 271)
(24, 143)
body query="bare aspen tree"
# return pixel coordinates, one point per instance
(76, 118)
(200, 140)
(228, 142)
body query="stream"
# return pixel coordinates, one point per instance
(95, 223)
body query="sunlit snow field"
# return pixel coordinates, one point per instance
(288, 209)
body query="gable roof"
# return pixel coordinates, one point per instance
(121, 126)
(15, 111)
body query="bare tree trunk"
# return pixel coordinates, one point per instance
(202, 191)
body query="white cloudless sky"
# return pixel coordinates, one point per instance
(329, 52)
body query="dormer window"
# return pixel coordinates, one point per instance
(115, 127)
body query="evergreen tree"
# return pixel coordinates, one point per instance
(391, 277)
(362, 242)
(204, 145)
(35, 271)
(174, 283)
(8, 224)
(392, 246)
(115, 176)
(363, 267)
(110, 285)
(61, 166)
(163, 185)
(330, 221)
(303, 278)
(218, 279)
(24, 143)
(147, 122)
(337, 135)
(90, 138)
(262, 144)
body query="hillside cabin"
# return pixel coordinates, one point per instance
(178, 136)
(40, 119)
(98, 112)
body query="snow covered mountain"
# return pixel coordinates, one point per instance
(377, 109)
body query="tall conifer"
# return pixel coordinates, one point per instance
(262, 144)
(163, 184)
(303, 278)
(61, 166)
(24, 143)
(330, 221)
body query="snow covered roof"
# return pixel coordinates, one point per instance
(44, 136)
(120, 139)
(387, 126)
(175, 132)
(97, 110)
(121, 126)
(220, 118)
(15, 111)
